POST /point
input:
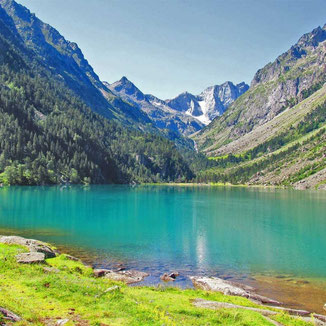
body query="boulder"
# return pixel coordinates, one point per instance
(100, 272)
(230, 288)
(31, 244)
(30, 258)
(174, 275)
(168, 277)
(128, 277)
(42, 248)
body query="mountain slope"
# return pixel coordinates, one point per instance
(212, 102)
(185, 114)
(275, 133)
(276, 87)
(49, 136)
(163, 116)
(67, 64)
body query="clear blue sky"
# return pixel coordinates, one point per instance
(169, 46)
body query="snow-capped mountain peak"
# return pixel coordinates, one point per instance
(186, 113)
(212, 102)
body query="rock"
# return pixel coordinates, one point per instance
(112, 288)
(31, 244)
(169, 277)
(230, 288)
(62, 322)
(174, 274)
(201, 303)
(47, 251)
(51, 270)
(8, 315)
(320, 317)
(290, 311)
(325, 306)
(166, 278)
(119, 268)
(69, 257)
(128, 277)
(100, 272)
(30, 258)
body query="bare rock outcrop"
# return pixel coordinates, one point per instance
(31, 244)
(128, 277)
(30, 258)
(316, 319)
(9, 316)
(230, 288)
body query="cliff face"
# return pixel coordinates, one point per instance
(162, 115)
(209, 104)
(274, 88)
(186, 113)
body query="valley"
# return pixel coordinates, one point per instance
(74, 128)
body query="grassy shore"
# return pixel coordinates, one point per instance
(62, 289)
(214, 184)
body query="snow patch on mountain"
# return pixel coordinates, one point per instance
(186, 113)
(209, 104)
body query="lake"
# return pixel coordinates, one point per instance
(274, 239)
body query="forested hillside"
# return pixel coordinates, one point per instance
(274, 134)
(66, 63)
(48, 135)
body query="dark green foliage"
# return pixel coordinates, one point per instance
(49, 136)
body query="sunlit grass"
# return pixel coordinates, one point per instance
(66, 289)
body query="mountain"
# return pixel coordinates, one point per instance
(212, 102)
(53, 116)
(67, 64)
(186, 113)
(275, 132)
(163, 116)
(276, 87)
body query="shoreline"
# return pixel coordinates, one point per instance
(277, 286)
(257, 279)
(214, 184)
(172, 184)
(60, 290)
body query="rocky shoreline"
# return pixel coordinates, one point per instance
(39, 251)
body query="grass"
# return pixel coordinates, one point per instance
(69, 291)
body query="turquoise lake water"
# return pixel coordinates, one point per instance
(216, 231)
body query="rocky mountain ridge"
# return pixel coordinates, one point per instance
(277, 86)
(209, 104)
(66, 62)
(163, 116)
(49, 131)
(275, 133)
(186, 113)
